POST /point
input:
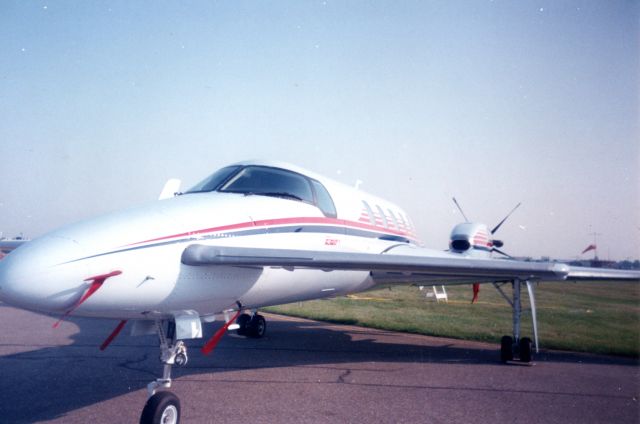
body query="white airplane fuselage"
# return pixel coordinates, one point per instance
(145, 244)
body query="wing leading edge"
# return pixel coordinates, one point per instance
(420, 267)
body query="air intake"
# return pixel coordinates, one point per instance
(460, 244)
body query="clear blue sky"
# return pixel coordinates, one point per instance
(493, 102)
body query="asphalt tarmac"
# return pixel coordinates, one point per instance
(302, 372)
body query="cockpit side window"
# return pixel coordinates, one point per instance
(323, 199)
(270, 182)
(213, 181)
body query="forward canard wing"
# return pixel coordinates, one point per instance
(400, 268)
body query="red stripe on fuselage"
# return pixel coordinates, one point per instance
(190, 233)
(281, 221)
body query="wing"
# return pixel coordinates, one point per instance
(420, 266)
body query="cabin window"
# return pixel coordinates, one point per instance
(323, 200)
(410, 226)
(393, 218)
(270, 182)
(403, 225)
(213, 181)
(369, 212)
(384, 217)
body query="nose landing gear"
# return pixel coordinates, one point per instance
(162, 405)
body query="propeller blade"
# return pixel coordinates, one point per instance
(501, 252)
(505, 218)
(460, 209)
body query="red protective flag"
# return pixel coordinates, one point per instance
(213, 341)
(590, 247)
(476, 290)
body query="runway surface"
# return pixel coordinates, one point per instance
(302, 372)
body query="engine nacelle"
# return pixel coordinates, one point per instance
(470, 237)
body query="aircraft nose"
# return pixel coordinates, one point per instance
(39, 273)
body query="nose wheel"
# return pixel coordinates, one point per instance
(161, 408)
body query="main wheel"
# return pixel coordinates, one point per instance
(161, 408)
(506, 349)
(243, 321)
(257, 327)
(525, 349)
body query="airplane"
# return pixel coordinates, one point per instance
(252, 234)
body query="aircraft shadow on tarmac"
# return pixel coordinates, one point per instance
(48, 382)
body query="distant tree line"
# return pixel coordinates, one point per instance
(629, 264)
(596, 263)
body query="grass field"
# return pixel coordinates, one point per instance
(597, 317)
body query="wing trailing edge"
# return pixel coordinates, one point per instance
(585, 273)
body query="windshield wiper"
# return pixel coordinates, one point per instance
(279, 194)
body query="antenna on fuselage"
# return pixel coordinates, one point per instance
(460, 209)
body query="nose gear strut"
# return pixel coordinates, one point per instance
(171, 352)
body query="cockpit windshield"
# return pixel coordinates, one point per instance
(270, 182)
(213, 181)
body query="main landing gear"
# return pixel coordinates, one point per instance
(252, 326)
(515, 346)
(163, 406)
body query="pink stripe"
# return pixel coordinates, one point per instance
(282, 221)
